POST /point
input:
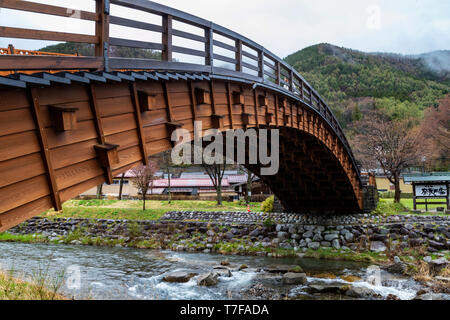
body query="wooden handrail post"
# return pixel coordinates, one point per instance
(10, 49)
(209, 47)
(238, 55)
(278, 72)
(291, 80)
(167, 37)
(261, 64)
(102, 31)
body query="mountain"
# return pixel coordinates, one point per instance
(353, 81)
(88, 50)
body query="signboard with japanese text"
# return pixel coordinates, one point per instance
(431, 190)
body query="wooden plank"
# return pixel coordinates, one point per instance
(48, 9)
(120, 123)
(13, 99)
(23, 62)
(20, 169)
(16, 121)
(77, 173)
(115, 106)
(135, 44)
(73, 153)
(189, 51)
(23, 192)
(135, 24)
(17, 145)
(43, 142)
(20, 214)
(86, 131)
(128, 156)
(76, 190)
(140, 130)
(156, 117)
(187, 35)
(19, 33)
(124, 139)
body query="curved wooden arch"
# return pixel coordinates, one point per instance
(58, 141)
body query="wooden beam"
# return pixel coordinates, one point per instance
(100, 135)
(229, 103)
(193, 102)
(48, 9)
(45, 151)
(20, 33)
(167, 101)
(137, 115)
(255, 101)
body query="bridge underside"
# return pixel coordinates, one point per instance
(311, 179)
(57, 140)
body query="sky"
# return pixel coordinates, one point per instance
(281, 26)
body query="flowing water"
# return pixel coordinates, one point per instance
(88, 272)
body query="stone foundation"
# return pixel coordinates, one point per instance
(259, 230)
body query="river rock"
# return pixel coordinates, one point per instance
(281, 268)
(294, 278)
(360, 292)
(314, 245)
(208, 279)
(179, 276)
(377, 246)
(330, 287)
(432, 296)
(437, 265)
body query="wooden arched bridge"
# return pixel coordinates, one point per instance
(69, 123)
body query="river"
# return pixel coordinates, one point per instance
(89, 272)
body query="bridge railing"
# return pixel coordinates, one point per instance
(225, 53)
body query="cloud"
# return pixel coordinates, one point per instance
(284, 26)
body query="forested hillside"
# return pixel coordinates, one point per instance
(353, 82)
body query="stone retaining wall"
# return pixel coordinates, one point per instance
(258, 230)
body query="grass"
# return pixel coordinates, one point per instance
(388, 207)
(132, 209)
(40, 287)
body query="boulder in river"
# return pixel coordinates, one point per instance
(279, 268)
(179, 276)
(327, 287)
(360, 292)
(294, 278)
(208, 279)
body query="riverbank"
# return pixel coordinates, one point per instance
(13, 288)
(416, 246)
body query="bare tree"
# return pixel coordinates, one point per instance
(169, 168)
(391, 145)
(99, 191)
(435, 135)
(121, 185)
(143, 177)
(216, 172)
(248, 192)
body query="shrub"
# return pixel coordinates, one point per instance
(267, 205)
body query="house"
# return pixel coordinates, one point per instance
(197, 184)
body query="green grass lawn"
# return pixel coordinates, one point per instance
(387, 206)
(132, 209)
